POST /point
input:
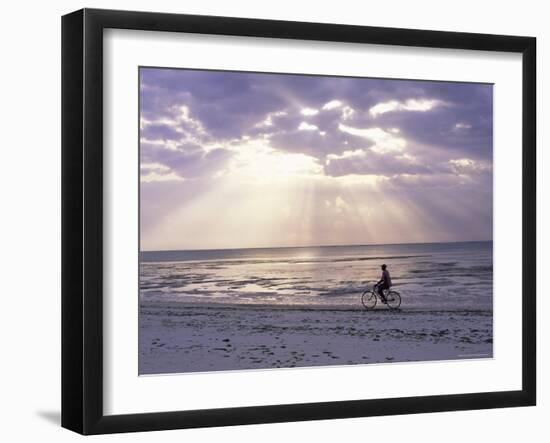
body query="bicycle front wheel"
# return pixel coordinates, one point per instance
(394, 300)
(368, 299)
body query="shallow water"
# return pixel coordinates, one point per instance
(428, 276)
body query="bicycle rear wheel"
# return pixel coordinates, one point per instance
(393, 299)
(368, 299)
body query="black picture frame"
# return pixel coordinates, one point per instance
(82, 220)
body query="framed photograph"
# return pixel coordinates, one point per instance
(268, 221)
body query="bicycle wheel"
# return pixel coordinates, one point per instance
(394, 299)
(368, 299)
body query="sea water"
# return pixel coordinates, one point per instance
(428, 276)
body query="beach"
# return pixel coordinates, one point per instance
(221, 310)
(179, 338)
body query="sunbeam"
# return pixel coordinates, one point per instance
(232, 160)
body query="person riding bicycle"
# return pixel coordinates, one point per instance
(384, 283)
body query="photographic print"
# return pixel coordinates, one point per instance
(292, 220)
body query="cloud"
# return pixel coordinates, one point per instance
(384, 141)
(411, 104)
(231, 105)
(187, 161)
(347, 112)
(309, 111)
(306, 141)
(268, 120)
(333, 104)
(154, 176)
(156, 172)
(239, 140)
(160, 131)
(369, 162)
(307, 127)
(212, 109)
(462, 125)
(462, 166)
(469, 105)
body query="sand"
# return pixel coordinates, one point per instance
(176, 337)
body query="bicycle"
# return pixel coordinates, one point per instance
(369, 298)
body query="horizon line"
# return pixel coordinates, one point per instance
(316, 246)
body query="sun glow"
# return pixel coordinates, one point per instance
(266, 164)
(253, 160)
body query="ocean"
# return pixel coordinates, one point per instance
(429, 276)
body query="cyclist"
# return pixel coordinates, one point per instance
(384, 283)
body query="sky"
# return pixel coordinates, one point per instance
(243, 160)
